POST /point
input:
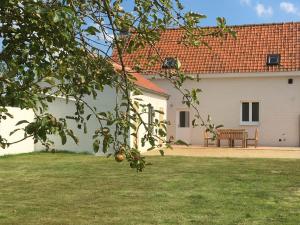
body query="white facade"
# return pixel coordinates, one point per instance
(159, 102)
(104, 102)
(222, 97)
(9, 125)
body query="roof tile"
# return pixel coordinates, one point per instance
(248, 53)
(141, 81)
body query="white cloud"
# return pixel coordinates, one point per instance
(288, 7)
(262, 10)
(245, 2)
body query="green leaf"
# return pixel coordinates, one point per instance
(71, 134)
(96, 145)
(50, 80)
(88, 116)
(219, 126)
(159, 112)
(151, 148)
(181, 142)
(162, 153)
(56, 17)
(92, 30)
(63, 137)
(21, 122)
(9, 115)
(14, 131)
(197, 15)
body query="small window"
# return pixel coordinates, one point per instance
(150, 114)
(273, 59)
(249, 113)
(290, 81)
(171, 63)
(184, 119)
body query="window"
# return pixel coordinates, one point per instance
(249, 113)
(150, 118)
(171, 63)
(273, 59)
(150, 114)
(184, 119)
(290, 81)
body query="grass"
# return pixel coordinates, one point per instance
(61, 188)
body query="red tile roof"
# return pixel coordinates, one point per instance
(141, 81)
(248, 53)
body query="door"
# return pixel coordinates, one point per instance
(183, 126)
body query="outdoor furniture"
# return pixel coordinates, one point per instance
(231, 135)
(238, 134)
(207, 138)
(223, 134)
(255, 139)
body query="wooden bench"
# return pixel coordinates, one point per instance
(223, 134)
(238, 134)
(231, 135)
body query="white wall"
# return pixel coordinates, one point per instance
(221, 98)
(159, 103)
(105, 101)
(8, 125)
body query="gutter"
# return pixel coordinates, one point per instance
(235, 75)
(165, 95)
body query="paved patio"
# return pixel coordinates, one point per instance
(259, 152)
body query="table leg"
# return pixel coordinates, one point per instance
(229, 143)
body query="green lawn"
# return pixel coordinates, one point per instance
(72, 189)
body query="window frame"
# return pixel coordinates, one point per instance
(187, 119)
(269, 59)
(250, 122)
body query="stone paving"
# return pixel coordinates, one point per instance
(259, 152)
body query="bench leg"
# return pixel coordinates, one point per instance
(229, 143)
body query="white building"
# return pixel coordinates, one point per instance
(251, 82)
(105, 101)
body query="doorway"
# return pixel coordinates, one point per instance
(183, 126)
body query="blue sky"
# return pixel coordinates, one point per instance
(240, 11)
(243, 11)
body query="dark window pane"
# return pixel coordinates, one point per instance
(184, 119)
(150, 114)
(187, 119)
(273, 59)
(255, 111)
(245, 111)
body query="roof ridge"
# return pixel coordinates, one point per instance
(243, 25)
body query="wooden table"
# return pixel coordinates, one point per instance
(231, 135)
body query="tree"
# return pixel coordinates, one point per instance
(62, 48)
